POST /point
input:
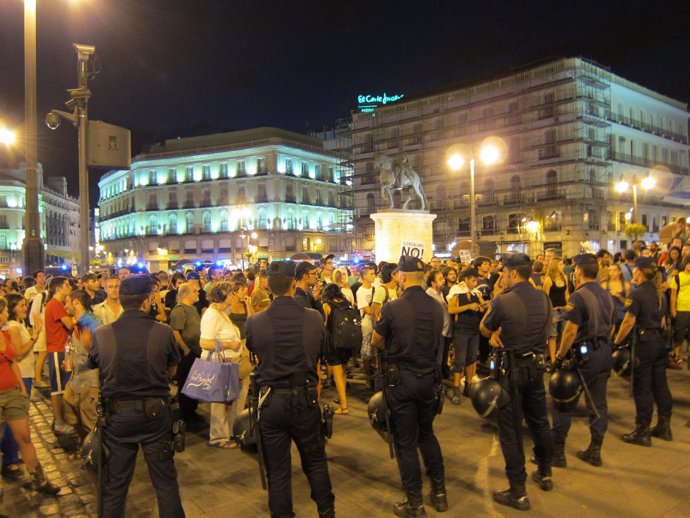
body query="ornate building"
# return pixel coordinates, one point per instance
(571, 129)
(59, 213)
(264, 191)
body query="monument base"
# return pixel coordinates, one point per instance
(397, 231)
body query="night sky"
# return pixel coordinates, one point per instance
(192, 67)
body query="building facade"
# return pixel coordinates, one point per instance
(570, 130)
(59, 216)
(263, 192)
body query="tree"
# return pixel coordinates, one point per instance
(635, 230)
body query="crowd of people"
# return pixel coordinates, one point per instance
(52, 321)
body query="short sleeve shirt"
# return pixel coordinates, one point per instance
(216, 326)
(644, 305)
(186, 320)
(380, 294)
(592, 311)
(56, 333)
(260, 298)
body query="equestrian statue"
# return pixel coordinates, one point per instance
(398, 175)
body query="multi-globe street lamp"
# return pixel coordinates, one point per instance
(647, 183)
(491, 151)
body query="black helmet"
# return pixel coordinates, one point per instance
(91, 451)
(488, 396)
(621, 361)
(377, 414)
(243, 434)
(565, 388)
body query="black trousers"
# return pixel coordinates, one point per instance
(650, 383)
(188, 405)
(596, 371)
(412, 407)
(123, 435)
(530, 405)
(283, 419)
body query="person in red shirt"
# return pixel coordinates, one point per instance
(58, 325)
(14, 407)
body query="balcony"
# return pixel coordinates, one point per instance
(189, 204)
(644, 162)
(151, 206)
(172, 205)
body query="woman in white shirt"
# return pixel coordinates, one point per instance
(217, 330)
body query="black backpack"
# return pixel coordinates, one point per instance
(345, 326)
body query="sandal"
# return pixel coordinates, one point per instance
(227, 445)
(342, 411)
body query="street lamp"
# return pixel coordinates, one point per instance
(647, 183)
(490, 152)
(7, 137)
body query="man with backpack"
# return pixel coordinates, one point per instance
(386, 292)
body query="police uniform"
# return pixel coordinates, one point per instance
(650, 384)
(593, 311)
(288, 339)
(412, 327)
(524, 315)
(133, 355)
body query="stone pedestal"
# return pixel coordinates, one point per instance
(395, 228)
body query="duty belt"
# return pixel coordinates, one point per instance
(415, 370)
(129, 405)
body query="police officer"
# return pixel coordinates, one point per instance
(517, 325)
(410, 333)
(136, 355)
(288, 339)
(585, 340)
(650, 386)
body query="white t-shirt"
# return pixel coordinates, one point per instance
(218, 326)
(26, 364)
(364, 296)
(38, 312)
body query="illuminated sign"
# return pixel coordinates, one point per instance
(368, 103)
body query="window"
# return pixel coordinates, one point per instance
(224, 220)
(331, 199)
(514, 223)
(290, 220)
(319, 200)
(305, 196)
(305, 169)
(206, 198)
(153, 202)
(488, 223)
(317, 172)
(261, 166)
(172, 223)
(261, 195)
(189, 199)
(371, 203)
(241, 168)
(172, 176)
(262, 219)
(515, 189)
(288, 166)
(551, 185)
(290, 194)
(488, 196)
(550, 149)
(331, 175)
(206, 172)
(189, 222)
(241, 195)
(189, 174)
(464, 225)
(224, 170)
(223, 200)
(206, 222)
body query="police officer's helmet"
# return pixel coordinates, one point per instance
(242, 433)
(621, 362)
(488, 396)
(91, 451)
(376, 409)
(564, 388)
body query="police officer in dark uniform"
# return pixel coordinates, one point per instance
(136, 355)
(585, 341)
(288, 339)
(643, 317)
(517, 325)
(410, 332)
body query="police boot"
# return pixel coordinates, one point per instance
(438, 495)
(40, 483)
(543, 477)
(328, 513)
(639, 436)
(592, 454)
(411, 507)
(559, 455)
(662, 430)
(515, 496)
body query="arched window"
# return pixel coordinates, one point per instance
(172, 223)
(224, 220)
(262, 219)
(189, 222)
(206, 222)
(290, 220)
(371, 203)
(153, 225)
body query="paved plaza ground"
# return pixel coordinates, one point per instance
(634, 481)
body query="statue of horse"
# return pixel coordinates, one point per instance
(398, 175)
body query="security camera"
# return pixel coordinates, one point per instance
(53, 120)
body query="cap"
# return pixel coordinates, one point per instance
(136, 285)
(301, 269)
(517, 259)
(407, 263)
(645, 262)
(193, 275)
(282, 268)
(582, 259)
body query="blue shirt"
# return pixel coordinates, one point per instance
(89, 321)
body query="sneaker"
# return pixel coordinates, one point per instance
(455, 397)
(63, 429)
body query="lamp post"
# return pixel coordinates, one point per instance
(647, 183)
(490, 152)
(32, 248)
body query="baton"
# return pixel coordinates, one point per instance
(517, 412)
(633, 349)
(389, 429)
(254, 427)
(588, 394)
(101, 456)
